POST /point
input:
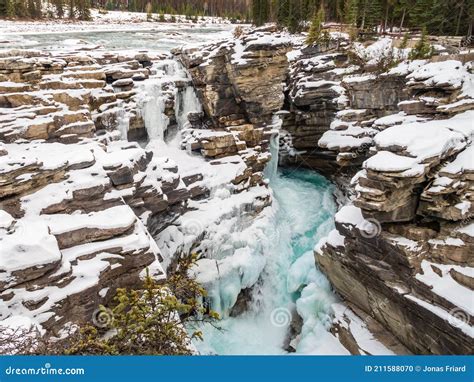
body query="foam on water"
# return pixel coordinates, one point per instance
(302, 213)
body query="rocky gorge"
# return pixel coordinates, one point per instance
(112, 163)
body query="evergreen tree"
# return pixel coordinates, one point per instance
(83, 9)
(351, 12)
(316, 27)
(34, 8)
(404, 42)
(282, 12)
(260, 11)
(20, 8)
(10, 8)
(71, 10)
(59, 5)
(422, 49)
(295, 17)
(374, 16)
(371, 12)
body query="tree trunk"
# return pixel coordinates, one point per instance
(458, 24)
(386, 18)
(363, 15)
(401, 22)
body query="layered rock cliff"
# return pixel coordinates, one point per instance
(96, 184)
(86, 209)
(71, 192)
(402, 249)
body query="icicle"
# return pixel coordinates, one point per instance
(123, 122)
(153, 110)
(186, 102)
(272, 167)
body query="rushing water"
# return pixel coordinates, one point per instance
(303, 211)
(290, 286)
(162, 38)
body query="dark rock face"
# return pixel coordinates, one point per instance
(409, 228)
(381, 94)
(240, 85)
(378, 275)
(240, 81)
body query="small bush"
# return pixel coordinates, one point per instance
(238, 31)
(404, 43)
(147, 321)
(316, 27)
(422, 49)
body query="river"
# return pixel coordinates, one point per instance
(291, 291)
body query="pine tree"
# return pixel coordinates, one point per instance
(351, 12)
(374, 15)
(20, 8)
(34, 8)
(84, 9)
(71, 10)
(316, 27)
(151, 320)
(295, 17)
(10, 8)
(371, 12)
(260, 11)
(422, 49)
(404, 42)
(282, 12)
(59, 5)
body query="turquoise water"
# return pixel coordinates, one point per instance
(303, 211)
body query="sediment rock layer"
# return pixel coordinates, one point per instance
(402, 248)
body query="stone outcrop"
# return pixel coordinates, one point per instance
(240, 85)
(75, 199)
(402, 249)
(240, 81)
(77, 207)
(90, 204)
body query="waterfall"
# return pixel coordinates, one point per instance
(290, 284)
(153, 106)
(156, 91)
(272, 167)
(186, 101)
(123, 122)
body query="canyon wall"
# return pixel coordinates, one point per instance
(399, 141)
(83, 208)
(96, 209)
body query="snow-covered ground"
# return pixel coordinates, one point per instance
(113, 31)
(111, 21)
